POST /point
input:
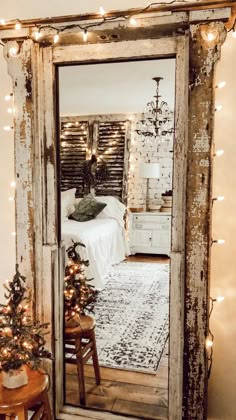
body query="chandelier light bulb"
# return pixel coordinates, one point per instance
(11, 199)
(219, 152)
(133, 21)
(13, 184)
(13, 233)
(220, 298)
(102, 11)
(7, 128)
(220, 198)
(218, 107)
(221, 84)
(56, 38)
(2, 22)
(9, 110)
(234, 33)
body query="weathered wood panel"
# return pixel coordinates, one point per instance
(177, 272)
(102, 135)
(73, 149)
(111, 148)
(203, 56)
(20, 70)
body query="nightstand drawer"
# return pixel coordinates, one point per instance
(163, 225)
(158, 218)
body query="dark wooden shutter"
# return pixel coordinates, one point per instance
(73, 145)
(111, 148)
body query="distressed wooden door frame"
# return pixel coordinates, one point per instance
(34, 74)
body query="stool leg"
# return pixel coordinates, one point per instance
(95, 359)
(22, 414)
(47, 408)
(80, 371)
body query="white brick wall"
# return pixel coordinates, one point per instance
(141, 151)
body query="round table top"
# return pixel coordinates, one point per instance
(37, 383)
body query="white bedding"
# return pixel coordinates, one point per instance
(104, 241)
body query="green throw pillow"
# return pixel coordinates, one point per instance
(87, 209)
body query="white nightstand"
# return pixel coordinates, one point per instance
(150, 233)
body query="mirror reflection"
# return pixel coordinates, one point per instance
(116, 159)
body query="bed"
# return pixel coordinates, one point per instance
(103, 236)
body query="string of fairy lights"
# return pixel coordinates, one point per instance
(102, 18)
(210, 337)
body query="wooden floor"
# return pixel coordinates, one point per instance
(124, 392)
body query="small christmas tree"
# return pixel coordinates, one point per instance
(21, 339)
(78, 294)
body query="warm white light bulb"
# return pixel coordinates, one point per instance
(220, 298)
(220, 198)
(211, 36)
(102, 11)
(13, 51)
(220, 241)
(13, 184)
(85, 35)
(209, 343)
(56, 38)
(18, 26)
(7, 128)
(37, 35)
(218, 107)
(8, 97)
(11, 199)
(13, 233)
(221, 84)
(9, 110)
(219, 152)
(234, 33)
(133, 21)
(2, 22)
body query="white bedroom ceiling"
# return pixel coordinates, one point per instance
(114, 87)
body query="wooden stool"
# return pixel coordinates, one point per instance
(80, 341)
(33, 396)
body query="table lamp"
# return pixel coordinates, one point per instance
(149, 170)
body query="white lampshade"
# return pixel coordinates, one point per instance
(149, 170)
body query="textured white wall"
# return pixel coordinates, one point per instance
(141, 151)
(222, 402)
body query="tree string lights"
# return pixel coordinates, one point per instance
(21, 339)
(78, 294)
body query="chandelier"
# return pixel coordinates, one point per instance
(156, 124)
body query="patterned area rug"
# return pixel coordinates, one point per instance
(132, 316)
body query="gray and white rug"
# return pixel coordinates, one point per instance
(132, 316)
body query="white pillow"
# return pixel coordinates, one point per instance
(67, 203)
(114, 208)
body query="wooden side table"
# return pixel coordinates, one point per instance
(33, 396)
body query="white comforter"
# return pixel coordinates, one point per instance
(104, 241)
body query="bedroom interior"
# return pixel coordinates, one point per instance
(193, 35)
(99, 117)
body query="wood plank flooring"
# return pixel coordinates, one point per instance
(125, 392)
